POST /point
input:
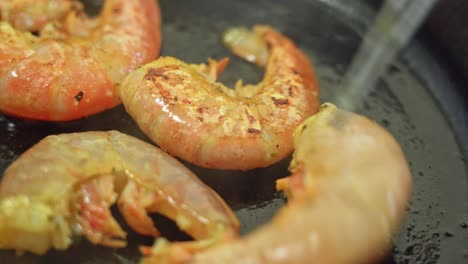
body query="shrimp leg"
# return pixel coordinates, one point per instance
(64, 185)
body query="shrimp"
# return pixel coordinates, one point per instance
(348, 191)
(56, 64)
(185, 111)
(63, 187)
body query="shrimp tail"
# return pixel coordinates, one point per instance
(246, 44)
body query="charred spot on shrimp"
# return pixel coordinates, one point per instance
(166, 100)
(153, 73)
(253, 131)
(280, 102)
(117, 10)
(251, 118)
(202, 109)
(290, 91)
(79, 96)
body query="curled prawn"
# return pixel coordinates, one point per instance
(185, 111)
(347, 194)
(63, 187)
(57, 64)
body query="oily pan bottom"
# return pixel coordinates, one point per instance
(406, 101)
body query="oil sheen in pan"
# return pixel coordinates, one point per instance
(329, 31)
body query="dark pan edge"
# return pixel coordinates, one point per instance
(417, 53)
(443, 87)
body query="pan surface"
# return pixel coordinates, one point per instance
(417, 101)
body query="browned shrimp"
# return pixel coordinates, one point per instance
(186, 112)
(348, 192)
(64, 185)
(70, 68)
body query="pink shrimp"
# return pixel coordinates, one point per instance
(348, 192)
(64, 185)
(70, 70)
(186, 112)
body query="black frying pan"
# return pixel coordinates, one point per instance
(419, 100)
